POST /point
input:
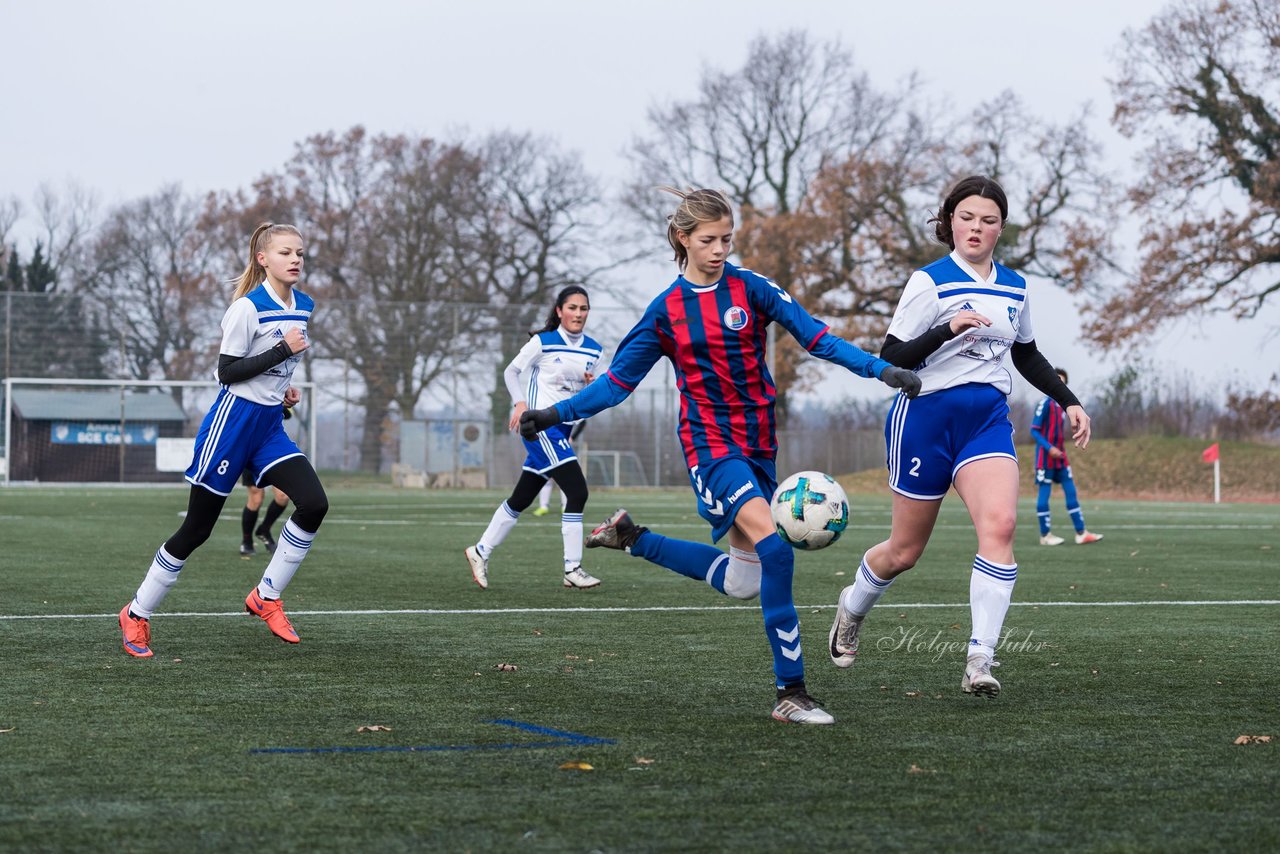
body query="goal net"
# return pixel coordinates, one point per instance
(114, 431)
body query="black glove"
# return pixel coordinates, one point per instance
(534, 421)
(895, 377)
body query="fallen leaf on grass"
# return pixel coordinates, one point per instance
(1240, 739)
(576, 766)
(537, 633)
(12, 728)
(373, 728)
(571, 657)
(640, 760)
(916, 769)
(913, 693)
(505, 666)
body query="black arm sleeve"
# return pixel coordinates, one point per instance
(237, 369)
(909, 354)
(1035, 369)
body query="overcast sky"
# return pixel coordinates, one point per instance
(124, 97)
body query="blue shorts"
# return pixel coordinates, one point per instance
(549, 450)
(238, 435)
(930, 438)
(728, 483)
(1058, 475)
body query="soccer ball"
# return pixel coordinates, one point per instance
(810, 510)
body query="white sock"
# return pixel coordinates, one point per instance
(162, 574)
(990, 589)
(291, 548)
(544, 496)
(504, 519)
(742, 576)
(571, 532)
(861, 596)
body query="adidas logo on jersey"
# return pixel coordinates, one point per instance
(277, 332)
(967, 307)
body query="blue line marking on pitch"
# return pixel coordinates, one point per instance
(561, 738)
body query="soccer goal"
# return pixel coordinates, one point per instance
(115, 431)
(614, 469)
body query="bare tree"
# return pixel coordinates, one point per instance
(540, 225)
(10, 213)
(148, 272)
(1062, 205)
(1202, 82)
(67, 219)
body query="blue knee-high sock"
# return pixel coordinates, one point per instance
(781, 624)
(694, 560)
(1042, 507)
(1073, 505)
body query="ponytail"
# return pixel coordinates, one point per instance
(254, 274)
(553, 318)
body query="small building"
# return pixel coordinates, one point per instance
(92, 435)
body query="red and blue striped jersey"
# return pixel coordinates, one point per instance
(1047, 430)
(715, 337)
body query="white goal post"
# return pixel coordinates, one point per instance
(115, 431)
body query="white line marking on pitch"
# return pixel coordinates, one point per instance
(660, 608)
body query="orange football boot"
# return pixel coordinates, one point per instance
(272, 613)
(137, 634)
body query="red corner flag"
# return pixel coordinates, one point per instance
(1210, 454)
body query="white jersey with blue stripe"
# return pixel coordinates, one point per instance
(254, 324)
(940, 291)
(551, 367)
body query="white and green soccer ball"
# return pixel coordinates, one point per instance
(810, 510)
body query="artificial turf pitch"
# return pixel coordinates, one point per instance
(634, 716)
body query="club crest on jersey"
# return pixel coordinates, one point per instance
(735, 317)
(1013, 316)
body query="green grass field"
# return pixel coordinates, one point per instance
(1114, 732)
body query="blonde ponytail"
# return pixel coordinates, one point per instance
(254, 274)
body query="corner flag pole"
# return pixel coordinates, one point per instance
(1217, 481)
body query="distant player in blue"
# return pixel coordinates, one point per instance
(712, 324)
(1053, 467)
(956, 322)
(558, 360)
(263, 335)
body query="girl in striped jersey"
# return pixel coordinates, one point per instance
(712, 324)
(957, 320)
(263, 335)
(1052, 466)
(559, 360)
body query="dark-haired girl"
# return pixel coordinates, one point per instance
(558, 361)
(955, 324)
